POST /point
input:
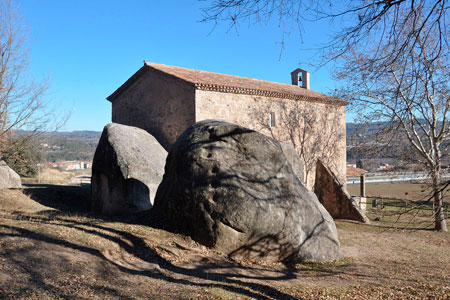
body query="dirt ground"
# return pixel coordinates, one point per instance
(54, 249)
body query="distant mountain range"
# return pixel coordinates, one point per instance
(70, 134)
(81, 145)
(78, 134)
(64, 145)
(352, 129)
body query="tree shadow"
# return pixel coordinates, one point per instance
(65, 198)
(163, 269)
(256, 281)
(69, 200)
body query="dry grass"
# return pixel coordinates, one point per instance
(407, 191)
(59, 251)
(50, 175)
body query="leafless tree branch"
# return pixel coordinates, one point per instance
(22, 102)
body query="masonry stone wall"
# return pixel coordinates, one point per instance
(160, 105)
(165, 106)
(317, 130)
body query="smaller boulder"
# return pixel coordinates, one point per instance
(127, 169)
(8, 178)
(334, 196)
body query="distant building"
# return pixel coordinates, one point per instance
(385, 167)
(87, 165)
(354, 171)
(353, 165)
(69, 165)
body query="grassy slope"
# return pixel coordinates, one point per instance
(56, 250)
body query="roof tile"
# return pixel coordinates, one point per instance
(211, 81)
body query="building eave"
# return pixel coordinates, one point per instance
(267, 93)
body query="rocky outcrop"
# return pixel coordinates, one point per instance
(294, 160)
(333, 195)
(233, 189)
(128, 167)
(8, 178)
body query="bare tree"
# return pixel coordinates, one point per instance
(410, 98)
(314, 133)
(22, 103)
(356, 23)
(395, 56)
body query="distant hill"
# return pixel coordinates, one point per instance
(63, 145)
(82, 134)
(358, 134)
(81, 145)
(354, 130)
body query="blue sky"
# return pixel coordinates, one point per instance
(89, 48)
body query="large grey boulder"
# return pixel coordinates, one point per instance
(294, 160)
(334, 196)
(233, 189)
(128, 167)
(8, 178)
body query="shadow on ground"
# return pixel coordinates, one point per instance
(208, 275)
(65, 198)
(137, 256)
(75, 200)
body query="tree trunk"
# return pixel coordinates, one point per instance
(439, 218)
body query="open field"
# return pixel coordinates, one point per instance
(406, 191)
(56, 176)
(52, 248)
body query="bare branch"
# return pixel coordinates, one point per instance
(22, 102)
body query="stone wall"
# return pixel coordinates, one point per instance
(165, 107)
(160, 105)
(317, 130)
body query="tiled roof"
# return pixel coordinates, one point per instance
(352, 171)
(211, 81)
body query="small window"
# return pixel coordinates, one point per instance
(272, 119)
